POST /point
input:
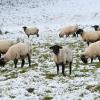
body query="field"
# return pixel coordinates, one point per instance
(40, 81)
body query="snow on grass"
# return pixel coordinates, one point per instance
(40, 81)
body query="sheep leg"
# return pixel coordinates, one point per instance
(28, 36)
(99, 58)
(70, 67)
(15, 62)
(0, 55)
(66, 35)
(88, 43)
(91, 60)
(23, 62)
(63, 69)
(57, 68)
(29, 60)
(77, 35)
(74, 35)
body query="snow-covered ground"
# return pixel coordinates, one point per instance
(40, 82)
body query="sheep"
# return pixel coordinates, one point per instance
(70, 30)
(96, 27)
(4, 46)
(15, 52)
(89, 36)
(31, 31)
(91, 52)
(62, 56)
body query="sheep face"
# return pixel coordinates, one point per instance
(96, 27)
(2, 62)
(84, 59)
(79, 31)
(24, 27)
(55, 49)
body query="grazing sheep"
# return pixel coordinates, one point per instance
(4, 46)
(89, 36)
(15, 52)
(31, 31)
(70, 30)
(92, 51)
(96, 27)
(62, 56)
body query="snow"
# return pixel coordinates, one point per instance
(48, 16)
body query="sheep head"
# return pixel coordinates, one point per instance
(79, 31)
(95, 27)
(24, 27)
(84, 59)
(55, 49)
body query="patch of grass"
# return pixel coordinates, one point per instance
(97, 65)
(47, 98)
(11, 96)
(34, 65)
(93, 88)
(45, 56)
(11, 75)
(23, 70)
(49, 76)
(84, 70)
(97, 98)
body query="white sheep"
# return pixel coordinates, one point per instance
(62, 56)
(92, 51)
(15, 52)
(89, 36)
(31, 31)
(4, 46)
(69, 30)
(96, 27)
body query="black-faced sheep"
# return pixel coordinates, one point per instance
(4, 46)
(62, 56)
(15, 52)
(96, 27)
(70, 30)
(89, 36)
(92, 51)
(31, 31)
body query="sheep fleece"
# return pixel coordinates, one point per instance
(19, 50)
(5, 44)
(91, 36)
(68, 30)
(65, 54)
(31, 31)
(93, 50)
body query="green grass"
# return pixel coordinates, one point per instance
(93, 88)
(11, 96)
(11, 75)
(97, 65)
(47, 98)
(49, 75)
(23, 70)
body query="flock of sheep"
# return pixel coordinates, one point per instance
(62, 55)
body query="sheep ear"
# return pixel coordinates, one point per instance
(51, 47)
(60, 47)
